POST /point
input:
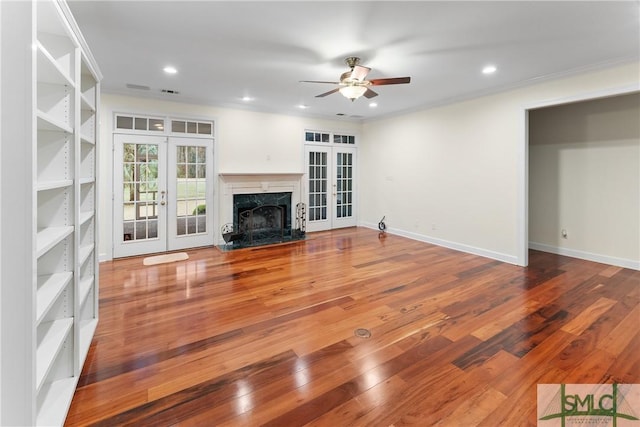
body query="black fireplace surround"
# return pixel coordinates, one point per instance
(262, 218)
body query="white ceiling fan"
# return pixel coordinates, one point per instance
(353, 84)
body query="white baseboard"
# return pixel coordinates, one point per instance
(604, 259)
(450, 245)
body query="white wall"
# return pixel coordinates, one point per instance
(246, 142)
(456, 175)
(585, 178)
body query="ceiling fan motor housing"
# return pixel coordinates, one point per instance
(352, 61)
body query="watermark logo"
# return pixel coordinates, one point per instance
(590, 405)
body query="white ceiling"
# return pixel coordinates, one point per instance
(225, 50)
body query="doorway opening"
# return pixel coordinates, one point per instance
(539, 231)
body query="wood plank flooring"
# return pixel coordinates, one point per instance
(265, 336)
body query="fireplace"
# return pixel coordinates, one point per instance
(260, 208)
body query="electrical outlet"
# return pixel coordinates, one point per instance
(563, 233)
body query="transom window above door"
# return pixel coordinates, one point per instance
(156, 125)
(316, 137)
(192, 127)
(139, 123)
(344, 139)
(312, 137)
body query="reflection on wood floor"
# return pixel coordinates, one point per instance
(266, 336)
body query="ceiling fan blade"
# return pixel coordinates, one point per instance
(391, 81)
(318, 81)
(370, 94)
(359, 72)
(328, 93)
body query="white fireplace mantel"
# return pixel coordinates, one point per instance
(248, 183)
(253, 174)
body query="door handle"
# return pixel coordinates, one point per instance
(162, 201)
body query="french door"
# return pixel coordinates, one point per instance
(331, 187)
(163, 194)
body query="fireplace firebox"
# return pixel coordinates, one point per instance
(261, 218)
(266, 222)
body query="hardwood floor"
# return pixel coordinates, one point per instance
(265, 336)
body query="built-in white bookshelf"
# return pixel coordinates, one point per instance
(57, 319)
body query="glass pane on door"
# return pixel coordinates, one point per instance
(344, 185)
(191, 190)
(140, 191)
(317, 186)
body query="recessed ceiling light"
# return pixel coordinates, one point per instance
(170, 70)
(373, 104)
(302, 107)
(489, 69)
(247, 98)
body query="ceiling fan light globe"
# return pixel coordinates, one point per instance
(353, 92)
